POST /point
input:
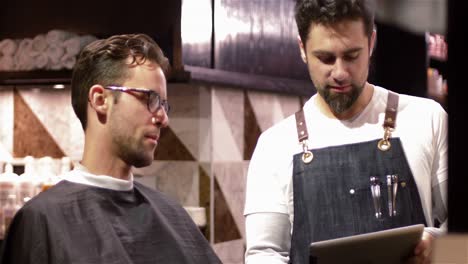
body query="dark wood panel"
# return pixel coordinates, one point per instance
(102, 18)
(35, 77)
(26, 18)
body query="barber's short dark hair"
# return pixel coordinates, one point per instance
(327, 12)
(106, 62)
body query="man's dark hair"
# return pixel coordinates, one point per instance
(327, 12)
(106, 62)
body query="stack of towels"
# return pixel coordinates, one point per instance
(55, 50)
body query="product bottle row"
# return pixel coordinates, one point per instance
(15, 190)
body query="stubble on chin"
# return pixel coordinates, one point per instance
(133, 154)
(141, 157)
(142, 163)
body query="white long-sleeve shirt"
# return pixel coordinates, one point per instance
(421, 125)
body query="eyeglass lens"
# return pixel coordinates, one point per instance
(155, 102)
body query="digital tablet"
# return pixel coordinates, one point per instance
(388, 246)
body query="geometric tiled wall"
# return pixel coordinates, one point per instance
(30, 136)
(239, 116)
(6, 123)
(202, 158)
(49, 112)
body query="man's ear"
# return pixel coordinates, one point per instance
(373, 42)
(302, 49)
(98, 99)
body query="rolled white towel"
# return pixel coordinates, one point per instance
(54, 66)
(7, 63)
(8, 47)
(41, 61)
(24, 62)
(23, 58)
(55, 53)
(25, 45)
(72, 46)
(57, 36)
(39, 45)
(68, 61)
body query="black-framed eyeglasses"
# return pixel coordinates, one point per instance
(154, 101)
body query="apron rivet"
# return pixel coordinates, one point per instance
(307, 157)
(384, 145)
(351, 191)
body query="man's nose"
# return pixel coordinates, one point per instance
(340, 70)
(161, 118)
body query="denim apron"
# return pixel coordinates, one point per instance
(351, 189)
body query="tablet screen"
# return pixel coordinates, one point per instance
(387, 246)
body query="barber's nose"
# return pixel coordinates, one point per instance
(340, 70)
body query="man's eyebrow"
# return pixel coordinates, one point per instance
(326, 53)
(353, 50)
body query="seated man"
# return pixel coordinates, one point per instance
(98, 214)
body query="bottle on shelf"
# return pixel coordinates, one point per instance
(8, 191)
(9, 211)
(47, 173)
(27, 182)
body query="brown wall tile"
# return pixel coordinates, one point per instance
(29, 135)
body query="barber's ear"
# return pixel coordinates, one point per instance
(302, 50)
(373, 42)
(98, 99)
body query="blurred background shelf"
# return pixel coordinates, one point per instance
(35, 77)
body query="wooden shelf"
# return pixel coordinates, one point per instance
(63, 77)
(35, 77)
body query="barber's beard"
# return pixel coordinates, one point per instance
(340, 102)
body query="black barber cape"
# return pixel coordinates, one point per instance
(76, 223)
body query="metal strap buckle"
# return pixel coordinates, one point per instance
(384, 144)
(307, 155)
